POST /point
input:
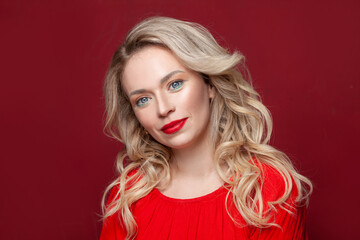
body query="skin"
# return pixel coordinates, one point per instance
(162, 90)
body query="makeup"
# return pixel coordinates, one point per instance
(174, 126)
(169, 101)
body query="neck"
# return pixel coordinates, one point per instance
(193, 171)
(196, 161)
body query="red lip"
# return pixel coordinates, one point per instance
(173, 126)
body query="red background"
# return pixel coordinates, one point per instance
(55, 159)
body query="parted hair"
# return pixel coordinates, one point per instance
(240, 127)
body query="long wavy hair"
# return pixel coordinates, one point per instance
(240, 127)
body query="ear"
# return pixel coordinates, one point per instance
(211, 90)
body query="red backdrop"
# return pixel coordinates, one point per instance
(55, 159)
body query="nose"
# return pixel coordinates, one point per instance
(165, 105)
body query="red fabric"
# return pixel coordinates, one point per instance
(160, 217)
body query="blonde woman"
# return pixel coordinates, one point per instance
(196, 162)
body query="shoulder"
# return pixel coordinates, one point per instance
(112, 225)
(118, 189)
(128, 181)
(287, 216)
(276, 183)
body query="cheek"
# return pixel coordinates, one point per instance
(145, 118)
(141, 118)
(197, 98)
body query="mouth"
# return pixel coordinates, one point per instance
(173, 126)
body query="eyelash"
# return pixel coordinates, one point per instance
(179, 85)
(138, 104)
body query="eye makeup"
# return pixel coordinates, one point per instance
(142, 101)
(176, 85)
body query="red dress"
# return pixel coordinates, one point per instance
(205, 218)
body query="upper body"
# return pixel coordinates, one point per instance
(191, 124)
(161, 217)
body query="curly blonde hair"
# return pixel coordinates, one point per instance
(240, 126)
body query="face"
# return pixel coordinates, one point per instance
(170, 101)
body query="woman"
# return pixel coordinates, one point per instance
(196, 162)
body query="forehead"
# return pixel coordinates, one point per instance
(146, 67)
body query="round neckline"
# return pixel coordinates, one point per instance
(205, 197)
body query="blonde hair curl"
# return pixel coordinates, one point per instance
(240, 126)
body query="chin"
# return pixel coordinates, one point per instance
(178, 147)
(180, 143)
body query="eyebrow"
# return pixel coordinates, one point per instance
(164, 79)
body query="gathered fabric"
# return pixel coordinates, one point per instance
(206, 218)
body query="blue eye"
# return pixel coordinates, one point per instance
(142, 101)
(176, 85)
